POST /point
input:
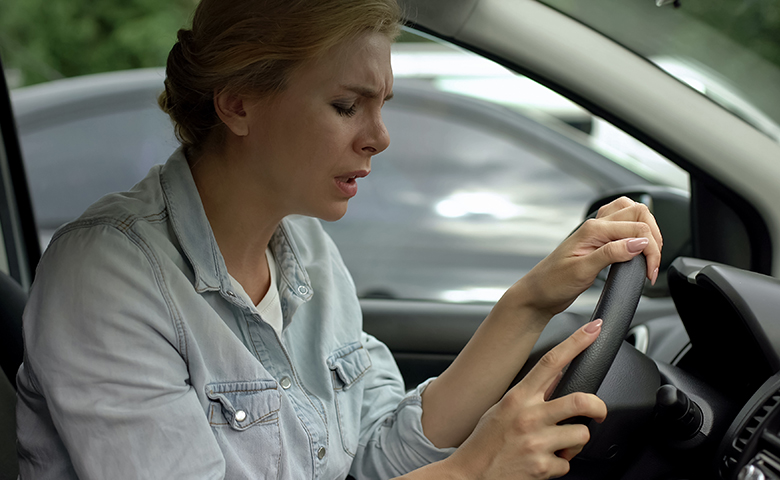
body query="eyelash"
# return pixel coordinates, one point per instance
(345, 111)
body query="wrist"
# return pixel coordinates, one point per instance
(446, 469)
(452, 468)
(520, 301)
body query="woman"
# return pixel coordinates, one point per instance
(202, 325)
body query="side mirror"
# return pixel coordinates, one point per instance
(671, 208)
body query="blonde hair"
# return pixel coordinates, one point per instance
(253, 46)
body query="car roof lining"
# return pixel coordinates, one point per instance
(429, 12)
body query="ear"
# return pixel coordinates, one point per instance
(230, 109)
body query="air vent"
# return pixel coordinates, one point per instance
(753, 431)
(743, 439)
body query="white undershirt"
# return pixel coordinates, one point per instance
(269, 308)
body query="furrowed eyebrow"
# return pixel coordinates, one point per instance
(365, 92)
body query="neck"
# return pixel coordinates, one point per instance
(242, 220)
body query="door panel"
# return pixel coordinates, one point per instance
(425, 337)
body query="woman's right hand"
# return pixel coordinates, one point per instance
(520, 437)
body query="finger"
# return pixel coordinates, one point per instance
(639, 212)
(558, 467)
(567, 437)
(569, 453)
(550, 365)
(623, 251)
(607, 231)
(553, 384)
(614, 206)
(550, 467)
(577, 404)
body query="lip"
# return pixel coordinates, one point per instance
(347, 182)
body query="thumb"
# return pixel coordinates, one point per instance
(618, 251)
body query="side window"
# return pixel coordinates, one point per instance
(73, 160)
(487, 172)
(456, 210)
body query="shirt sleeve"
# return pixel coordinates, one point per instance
(105, 383)
(392, 442)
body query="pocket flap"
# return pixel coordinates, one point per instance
(245, 403)
(349, 363)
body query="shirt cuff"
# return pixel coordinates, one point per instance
(410, 415)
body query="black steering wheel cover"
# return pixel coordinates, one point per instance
(616, 308)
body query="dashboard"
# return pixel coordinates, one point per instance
(732, 317)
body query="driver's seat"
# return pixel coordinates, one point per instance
(12, 301)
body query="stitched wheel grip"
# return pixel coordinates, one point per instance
(616, 308)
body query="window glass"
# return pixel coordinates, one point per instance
(453, 210)
(73, 161)
(487, 172)
(727, 51)
(444, 67)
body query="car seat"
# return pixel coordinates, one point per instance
(12, 301)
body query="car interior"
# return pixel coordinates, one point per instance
(693, 393)
(18, 261)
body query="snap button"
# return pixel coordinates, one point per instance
(321, 453)
(285, 383)
(240, 416)
(303, 289)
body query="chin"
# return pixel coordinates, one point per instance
(332, 214)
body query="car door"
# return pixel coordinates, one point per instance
(18, 256)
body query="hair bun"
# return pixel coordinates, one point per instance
(185, 37)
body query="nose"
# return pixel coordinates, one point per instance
(376, 138)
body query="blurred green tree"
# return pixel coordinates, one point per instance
(755, 24)
(49, 39)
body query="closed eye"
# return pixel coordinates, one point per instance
(345, 111)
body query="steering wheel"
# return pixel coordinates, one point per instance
(616, 308)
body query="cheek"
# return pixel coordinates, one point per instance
(330, 139)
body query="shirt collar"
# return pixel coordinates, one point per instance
(190, 224)
(192, 229)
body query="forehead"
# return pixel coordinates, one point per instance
(362, 60)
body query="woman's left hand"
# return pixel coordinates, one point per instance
(621, 230)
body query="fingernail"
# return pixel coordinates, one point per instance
(593, 326)
(636, 245)
(655, 276)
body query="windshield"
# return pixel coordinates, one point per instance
(727, 50)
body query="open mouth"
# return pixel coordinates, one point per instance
(352, 177)
(348, 183)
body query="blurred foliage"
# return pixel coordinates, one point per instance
(754, 24)
(45, 40)
(49, 39)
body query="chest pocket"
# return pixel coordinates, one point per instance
(244, 417)
(348, 365)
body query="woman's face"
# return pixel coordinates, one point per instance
(310, 143)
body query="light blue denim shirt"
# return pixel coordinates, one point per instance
(141, 362)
